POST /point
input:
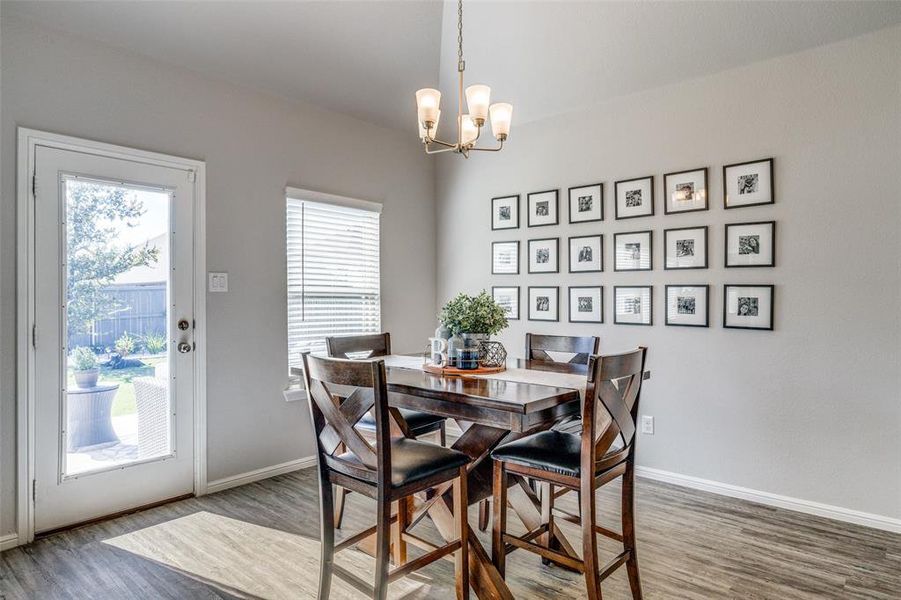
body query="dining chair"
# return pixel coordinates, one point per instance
(603, 451)
(420, 423)
(390, 473)
(539, 347)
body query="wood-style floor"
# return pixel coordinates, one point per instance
(260, 541)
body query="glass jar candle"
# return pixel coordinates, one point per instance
(468, 358)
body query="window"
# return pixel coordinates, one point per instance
(333, 270)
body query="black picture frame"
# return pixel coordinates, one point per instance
(706, 288)
(650, 234)
(600, 290)
(556, 292)
(650, 289)
(518, 299)
(616, 185)
(569, 258)
(556, 269)
(666, 248)
(517, 202)
(772, 170)
(556, 193)
(772, 262)
(772, 314)
(569, 207)
(518, 254)
(666, 177)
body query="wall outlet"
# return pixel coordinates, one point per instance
(647, 424)
(218, 282)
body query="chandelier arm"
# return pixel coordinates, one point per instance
(440, 143)
(448, 149)
(498, 149)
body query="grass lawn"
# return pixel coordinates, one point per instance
(124, 404)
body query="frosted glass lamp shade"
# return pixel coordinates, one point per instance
(468, 130)
(478, 97)
(433, 130)
(501, 115)
(428, 101)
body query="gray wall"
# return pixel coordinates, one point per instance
(254, 145)
(811, 410)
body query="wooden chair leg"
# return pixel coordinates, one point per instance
(326, 537)
(589, 540)
(484, 507)
(628, 518)
(382, 549)
(404, 509)
(461, 522)
(498, 550)
(547, 516)
(340, 495)
(442, 433)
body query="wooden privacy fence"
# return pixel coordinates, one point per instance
(142, 311)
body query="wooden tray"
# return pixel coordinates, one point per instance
(451, 371)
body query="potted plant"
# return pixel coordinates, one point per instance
(474, 318)
(84, 365)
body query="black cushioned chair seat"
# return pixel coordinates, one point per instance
(412, 460)
(554, 451)
(416, 420)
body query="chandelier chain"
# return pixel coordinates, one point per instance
(461, 64)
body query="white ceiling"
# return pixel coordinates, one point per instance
(366, 58)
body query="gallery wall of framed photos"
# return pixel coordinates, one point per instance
(562, 248)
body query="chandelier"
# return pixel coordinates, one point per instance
(469, 126)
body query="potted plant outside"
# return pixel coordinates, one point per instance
(84, 366)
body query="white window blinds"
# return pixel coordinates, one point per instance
(333, 274)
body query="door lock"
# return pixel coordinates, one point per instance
(184, 347)
(183, 324)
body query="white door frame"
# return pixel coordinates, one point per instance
(28, 140)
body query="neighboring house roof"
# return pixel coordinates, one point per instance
(155, 273)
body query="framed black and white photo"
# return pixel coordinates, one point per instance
(586, 203)
(686, 305)
(544, 303)
(586, 254)
(586, 304)
(633, 305)
(505, 212)
(634, 198)
(686, 191)
(505, 258)
(544, 255)
(685, 248)
(748, 184)
(748, 306)
(751, 244)
(508, 298)
(543, 208)
(632, 251)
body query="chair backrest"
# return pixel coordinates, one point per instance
(362, 384)
(368, 346)
(538, 346)
(610, 410)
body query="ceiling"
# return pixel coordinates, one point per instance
(366, 58)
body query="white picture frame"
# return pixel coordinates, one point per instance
(508, 297)
(634, 198)
(686, 191)
(633, 251)
(688, 305)
(505, 212)
(586, 254)
(751, 244)
(544, 303)
(748, 184)
(544, 255)
(633, 305)
(543, 208)
(505, 258)
(586, 304)
(685, 248)
(586, 203)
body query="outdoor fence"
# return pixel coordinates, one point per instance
(142, 310)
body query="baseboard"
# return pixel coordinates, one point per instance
(796, 504)
(10, 540)
(258, 474)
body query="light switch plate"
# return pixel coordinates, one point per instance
(218, 282)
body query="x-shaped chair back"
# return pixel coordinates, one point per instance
(359, 346)
(538, 347)
(614, 383)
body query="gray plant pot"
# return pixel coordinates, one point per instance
(472, 340)
(87, 379)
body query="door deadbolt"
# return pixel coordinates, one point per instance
(183, 324)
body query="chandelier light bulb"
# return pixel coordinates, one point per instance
(428, 101)
(478, 97)
(468, 130)
(501, 115)
(432, 132)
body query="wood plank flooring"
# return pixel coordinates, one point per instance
(260, 541)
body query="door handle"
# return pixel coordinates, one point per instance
(184, 347)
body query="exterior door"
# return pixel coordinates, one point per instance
(113, 335)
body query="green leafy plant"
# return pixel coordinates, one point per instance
(83, 359)
(473, 314)
(155, 342)
(126, 344)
